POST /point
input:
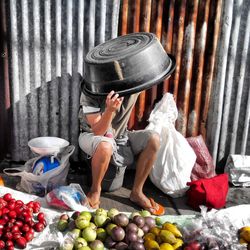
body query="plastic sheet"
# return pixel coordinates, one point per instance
(214, 230)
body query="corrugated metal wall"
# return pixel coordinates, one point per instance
(189, 30)
(229, 115)
(47, 41)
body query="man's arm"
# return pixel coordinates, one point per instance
(100, 123)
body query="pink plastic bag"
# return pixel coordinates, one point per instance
(204, 167)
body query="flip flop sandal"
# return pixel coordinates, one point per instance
(156, 208)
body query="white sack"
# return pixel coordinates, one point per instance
(176, 158)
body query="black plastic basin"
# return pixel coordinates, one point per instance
(126, 64)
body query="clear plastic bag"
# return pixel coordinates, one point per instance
(238, 169)
(69, 197)
(212, 232)
(67, 241)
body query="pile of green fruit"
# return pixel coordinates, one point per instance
(106, 229)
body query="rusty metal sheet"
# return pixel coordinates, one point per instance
(209, 66)
(145, 26)
(167, 36)
(187, 66)
(198, 64)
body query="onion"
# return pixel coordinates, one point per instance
(150, 221)
(136, 246)
(121, 246)
(131, 236)
(121, 220)
(145, 228)
(109, 242)
(131, 227)
(117, 233)
(140, 240)
(139, 221)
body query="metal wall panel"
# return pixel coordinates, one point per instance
(189, 30)
(4, 87)
(47, 43)
(229, 112)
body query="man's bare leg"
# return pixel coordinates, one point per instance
(143, 167)
(99, 165)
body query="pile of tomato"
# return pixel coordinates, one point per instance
(19, 222)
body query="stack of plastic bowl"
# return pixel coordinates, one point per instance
(48, 148)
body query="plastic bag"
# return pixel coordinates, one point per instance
(41, 184)
(211, 192)
(238, 169)
(204, 167)
(212, 231)
(67, 241)
(69, 197)
(175, 160)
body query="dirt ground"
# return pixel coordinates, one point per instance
(120, 198)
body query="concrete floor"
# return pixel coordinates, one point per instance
(119, 198)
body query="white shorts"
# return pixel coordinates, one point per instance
(124, 147)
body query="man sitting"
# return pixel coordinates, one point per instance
(103, 121)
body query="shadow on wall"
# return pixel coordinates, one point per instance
(50, 109)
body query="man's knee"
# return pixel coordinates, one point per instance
(154, 142)
(104, 149)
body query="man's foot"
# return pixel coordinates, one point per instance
(148, 204)
(94, 199)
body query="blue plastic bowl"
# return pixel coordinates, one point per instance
(45, 164)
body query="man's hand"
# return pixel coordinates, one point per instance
(100, 123)
(113, 101)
